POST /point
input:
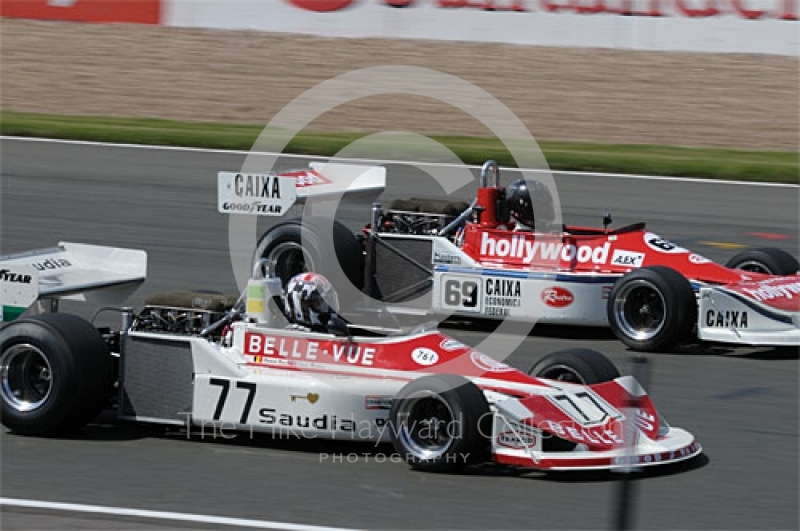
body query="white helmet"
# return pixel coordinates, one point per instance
(310, 300)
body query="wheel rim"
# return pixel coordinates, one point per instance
(562, 373)
(286, 260)
(640, 310)
(426, 425)
(26, 377)
(754, 266)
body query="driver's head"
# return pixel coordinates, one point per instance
(528, 196)
(310, 300)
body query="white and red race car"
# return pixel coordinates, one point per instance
(430, 258)
(215, 364)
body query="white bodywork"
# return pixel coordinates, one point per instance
(275, 193)
(729, 317)
(462, 287)
(307, 399)
(287, 402)
(95, 274)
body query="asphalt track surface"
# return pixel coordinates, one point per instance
(741, 404)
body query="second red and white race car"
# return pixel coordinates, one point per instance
(504, 257)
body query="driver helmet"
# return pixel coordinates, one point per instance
(528, 196)
(309, 300)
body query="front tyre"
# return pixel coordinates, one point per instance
(652, 309)
(55, 374)
(576, 365)
(765, 260)
(440, 423)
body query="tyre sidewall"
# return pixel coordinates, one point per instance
(288, 232)
(594, 367)
(346, 274)
(96, 368)
(777, 261)
(56, 412)
(82, 373)
(680, 308)
(471, 411)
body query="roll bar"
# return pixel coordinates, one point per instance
(488, 166)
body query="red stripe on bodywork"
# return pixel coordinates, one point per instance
(655, 458)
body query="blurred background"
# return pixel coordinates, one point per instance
(691, 73)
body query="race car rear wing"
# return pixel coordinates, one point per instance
(74, 271)
(274, 193)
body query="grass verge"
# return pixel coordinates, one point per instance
(643, 159)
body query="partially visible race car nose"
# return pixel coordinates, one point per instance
(765, 312)
(573, 427)
(675, 446)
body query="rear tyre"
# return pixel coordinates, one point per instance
(577, 365)
(652, 309)
(766, 260)
(56, 374)
(440, 423)
(292, 247)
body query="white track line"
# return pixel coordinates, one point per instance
(386, 161)
(164, 515)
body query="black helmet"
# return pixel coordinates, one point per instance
(528, 196)
(310, 300)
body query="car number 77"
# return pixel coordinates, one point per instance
(225, 386)
(585, 407)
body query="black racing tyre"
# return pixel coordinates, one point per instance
(56, 374)
(293, 247)
(576, 365)
(440, 423)
(767, 260)
(652, 309)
